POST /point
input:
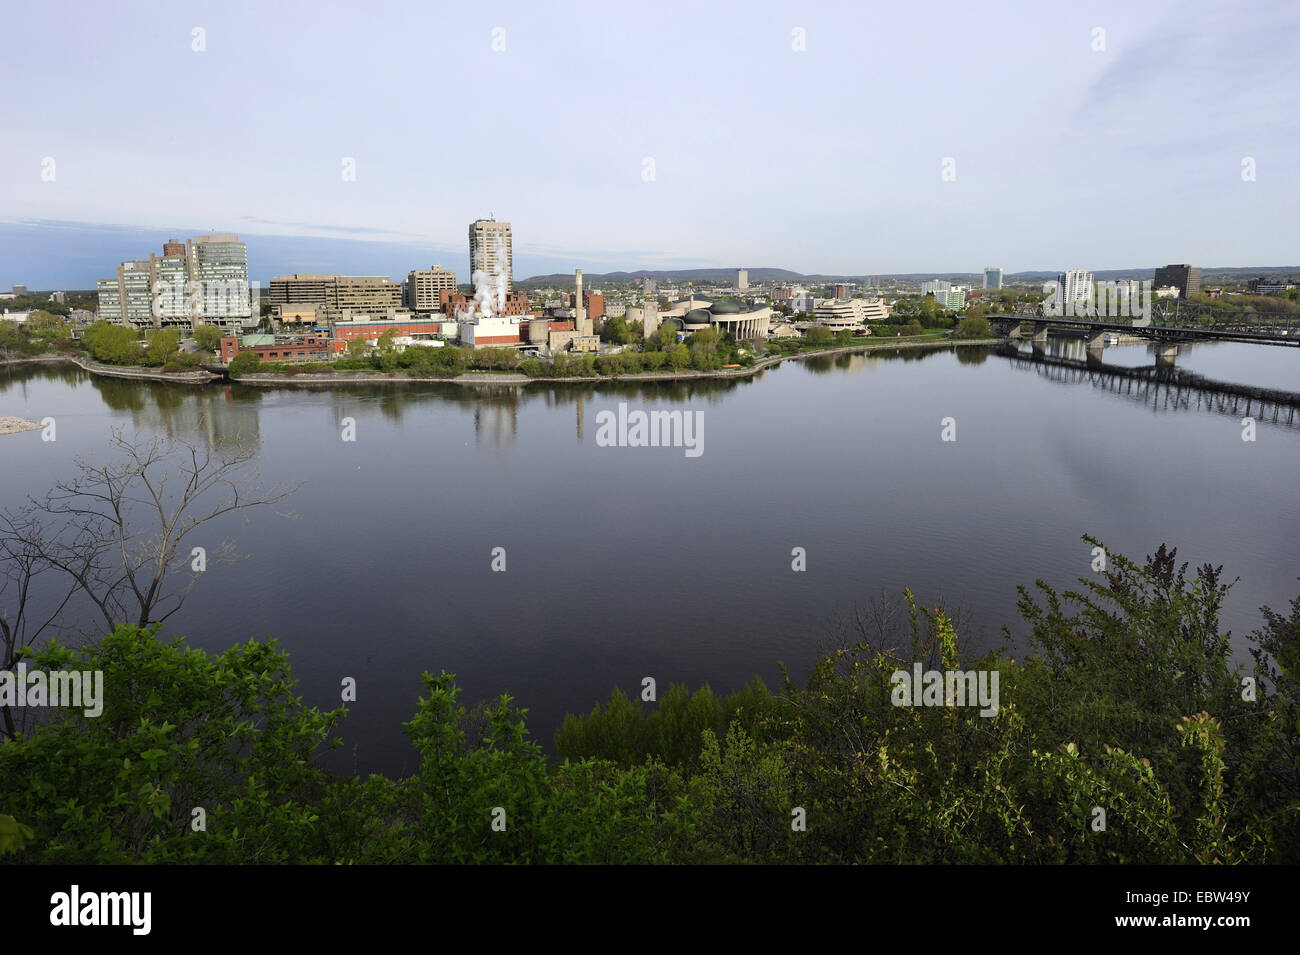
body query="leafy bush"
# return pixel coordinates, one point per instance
(243, 363)
(113, 344)
(973, 326)
(1131, 704)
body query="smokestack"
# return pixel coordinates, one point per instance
(579, 312)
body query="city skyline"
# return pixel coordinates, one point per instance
(1148, 123)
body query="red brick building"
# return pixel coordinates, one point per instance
(311, 348)
(450, 302)
(372, 330)
(593, 302)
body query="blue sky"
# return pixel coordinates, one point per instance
(821, 159)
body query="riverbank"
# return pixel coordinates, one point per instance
(509, 378)
(365, 377)
(196, 377)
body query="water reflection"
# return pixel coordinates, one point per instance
(1162, 387)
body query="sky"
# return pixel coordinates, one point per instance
(853, 138)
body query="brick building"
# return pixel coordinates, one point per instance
(309, 348)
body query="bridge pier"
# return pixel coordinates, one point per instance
(1166, 353)
(1040, 334)
(1097, 342)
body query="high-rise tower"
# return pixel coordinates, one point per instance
(490, 251)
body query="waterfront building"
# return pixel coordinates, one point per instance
(850, 313)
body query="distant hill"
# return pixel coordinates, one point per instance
(1208, 274)
(671, 275)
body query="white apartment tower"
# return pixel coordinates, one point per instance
(1073, 288)
(490, 251)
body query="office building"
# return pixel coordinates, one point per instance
(424, 287)
(1263, 286)
(337, 297)
(742, 279)
(491, 252)
(937, 288)
(219, 264)
(302, 288)
(148, 293)
(1185, 278)
(992, 278)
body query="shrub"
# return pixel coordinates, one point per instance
(242, 364)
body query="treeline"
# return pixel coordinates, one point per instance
(115, 344)
(43, 332)
(107, 342)
(1128, 736)
(706, 350)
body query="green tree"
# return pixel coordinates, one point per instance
(244, 362)
(113, 344)
(207, 337)
(177, 729)
(973, 326)
(818, 335)
(162, 346)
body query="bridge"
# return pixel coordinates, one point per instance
(1168, 327)
(1164, 387)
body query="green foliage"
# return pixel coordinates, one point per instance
(16, 339)
(179, 730)
(182, 361)
(664, 337)
(163, 345)
(113, 344)
(1126, 737)
(618, 331)
(973, 326)
(207, 337)
(243, 363)
(679, 357)
(818, 335)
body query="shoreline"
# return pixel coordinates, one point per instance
(473, 379)
(196, 377)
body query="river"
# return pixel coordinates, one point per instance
(626, 562)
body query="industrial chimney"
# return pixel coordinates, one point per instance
(579, 310)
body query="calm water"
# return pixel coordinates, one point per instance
(628, 562)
